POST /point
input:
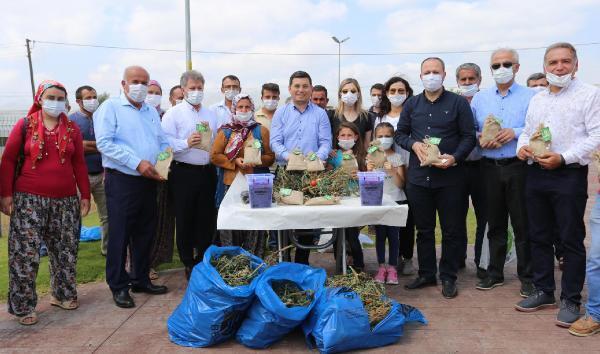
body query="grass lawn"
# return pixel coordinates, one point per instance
(91, 264)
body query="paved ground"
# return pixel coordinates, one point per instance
(473, 322)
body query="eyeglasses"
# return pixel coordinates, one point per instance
(505, 64)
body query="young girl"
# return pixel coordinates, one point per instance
(394, 182)
(349, 141)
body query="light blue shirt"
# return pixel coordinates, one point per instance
(309, 131)
(510, 109)
(125, 135)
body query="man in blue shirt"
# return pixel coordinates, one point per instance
(300, 125)
(503, 172)
(87, 99)
(129, 137)
(439, 188)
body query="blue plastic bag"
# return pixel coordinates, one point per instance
(340, 323)
(93, 233)
(269, 319)
(211, 311)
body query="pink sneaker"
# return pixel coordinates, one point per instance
(392, 276)
(381, 273)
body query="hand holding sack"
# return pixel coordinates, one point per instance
(252, 151)
(376, 155)
(491, 128)
(433, 152)
(290, 197)
(163, 162)
(349, 163)
(206, 135)
(540, 141)
(296, 161)
(314, 163)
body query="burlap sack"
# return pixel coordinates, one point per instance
(491, 128)
(314, 163)
(349, 163)
(537, 144)
(433, 154)
(296, 161)
(326, 200)
(206, 135)
(290, 197)
(376, 155)
(252, 149)
(163, 162)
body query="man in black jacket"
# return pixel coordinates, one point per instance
(445, 119)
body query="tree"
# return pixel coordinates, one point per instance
(103, 97)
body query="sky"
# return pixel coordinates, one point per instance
(420, 28)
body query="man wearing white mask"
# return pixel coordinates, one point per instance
(468, 78)
(269, 96)
(503, 172)
(444, 118)
(537, 81)
(230, 87)
(193, 179)
(87, 99)
(556, 181)
(129, 137)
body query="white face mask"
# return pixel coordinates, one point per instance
(386, 142)
(468, 90)
(346, 144)
(90, 105)
(538, 88)
(349, 98)
(375, 100)
(153, 100)
(432, 82)
(502, 75)
(559, 81)
(243, 116)
(396, 100)
(54, 108)
(230, 94)
(270, 105)
(194, 97)
(137, 92)
(178, 102)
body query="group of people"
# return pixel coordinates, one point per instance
(53, 164)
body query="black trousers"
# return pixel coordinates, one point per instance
(194, 190)
(505, 192)
(406, 237)
(307, 238)
(352, 240)
(132, 211)
(558, 195)
(476, 190)
(449, 202)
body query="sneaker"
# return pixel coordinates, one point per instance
(409, 267)
(392, 276)
(381, 275)
(538, 300)
(585, 326)
(527, 289)
(488, 284)
(568, 314)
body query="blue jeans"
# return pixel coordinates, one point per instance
(391, 233)
(593, 265)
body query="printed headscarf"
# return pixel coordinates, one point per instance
(36, 126)
(239, 130)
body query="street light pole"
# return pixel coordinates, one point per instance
(188, 37)
(335, 39)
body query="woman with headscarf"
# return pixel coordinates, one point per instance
(228, 153)
(162, 249)
(42, 168)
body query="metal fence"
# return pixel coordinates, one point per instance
(7, 121)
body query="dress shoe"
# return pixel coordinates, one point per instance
(150, 289)
(123, 299)
(420, 282)
(449, 290)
